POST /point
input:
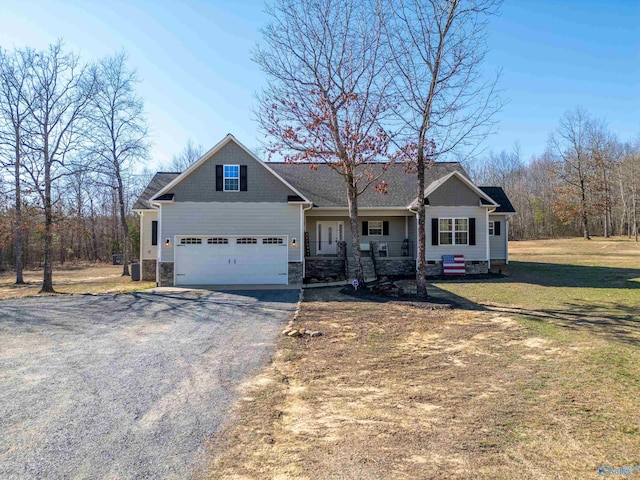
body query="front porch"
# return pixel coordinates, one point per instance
(387, 243)
(378, 259)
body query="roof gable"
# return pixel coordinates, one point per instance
(460, 191)
(236, 150)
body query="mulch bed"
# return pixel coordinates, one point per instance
(368, 294)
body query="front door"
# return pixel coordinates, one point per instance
(329, 234)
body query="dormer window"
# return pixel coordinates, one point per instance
(231, 178)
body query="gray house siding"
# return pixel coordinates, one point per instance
(454, 193)
(200, 185)
(213, 218)
(477, 252)
(498, 243)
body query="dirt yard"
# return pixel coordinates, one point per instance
(79, 279)
(520, 382)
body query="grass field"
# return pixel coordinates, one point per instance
(537, 375)
(78, 279)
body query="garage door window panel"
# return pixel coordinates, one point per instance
(190, 241)
(218, 241)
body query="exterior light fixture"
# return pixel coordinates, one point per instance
(293, 242)
(167, 242)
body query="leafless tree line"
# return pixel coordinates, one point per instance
(71, 133)
(586, 182)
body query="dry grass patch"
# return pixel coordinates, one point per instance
(393, 391)
(78, 279)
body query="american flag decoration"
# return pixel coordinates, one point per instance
(453, 264)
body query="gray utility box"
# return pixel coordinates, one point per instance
(135, 271)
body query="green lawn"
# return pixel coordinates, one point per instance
(570, 282)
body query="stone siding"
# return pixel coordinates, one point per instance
(148, 270)
(395, 266)
(471, 268)
(295, 273)
(166, 274)
(477, 268)
(322, 268)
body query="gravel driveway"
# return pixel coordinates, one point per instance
(126, 386)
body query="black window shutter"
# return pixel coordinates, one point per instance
(496, 228)
(385, 228)
(243, 178)
(218, 178)
(365, 228)
(434, 231)
(154, 232)
(472, 231)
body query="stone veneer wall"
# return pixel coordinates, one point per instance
(395, 266)
(166, 274)
(322, 268)
(148, 270)
(295, 273)
(477, 268)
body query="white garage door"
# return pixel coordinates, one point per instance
(242, 260)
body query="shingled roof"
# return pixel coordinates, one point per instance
(326, 188)
(500, 197)
(159, 181)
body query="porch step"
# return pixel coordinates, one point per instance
(367, 267)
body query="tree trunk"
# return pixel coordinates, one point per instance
(635, 214)
(355, 230)
(421, 270)
(18, 217)
(583, 205)
(94, 236)
(47, 281)
(125, 226)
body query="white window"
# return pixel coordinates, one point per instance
(375, 228)
(491, 227)
(231, 178)
(454, 231)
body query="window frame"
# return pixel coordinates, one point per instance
(453, 231)
(369, 228)
(492, 228)
(225, 178)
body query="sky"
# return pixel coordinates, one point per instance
(198, 80)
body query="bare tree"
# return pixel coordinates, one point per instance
(442, 103)
(327, 77)
(13, 111)
(605, 151)
(118, 133)
(570, 144)
(60, 90)
(189, 154)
